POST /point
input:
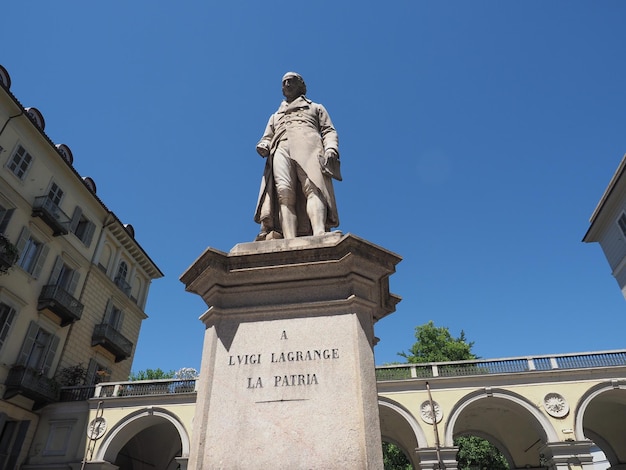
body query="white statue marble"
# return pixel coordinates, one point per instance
(300, 143)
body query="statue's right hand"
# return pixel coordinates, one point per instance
(263, 149)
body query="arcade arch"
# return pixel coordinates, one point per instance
(600, 417)
(151, 438)
(510, 422)
(399, 427)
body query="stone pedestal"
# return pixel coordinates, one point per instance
(287, 378)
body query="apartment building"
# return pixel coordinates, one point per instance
(73, 284)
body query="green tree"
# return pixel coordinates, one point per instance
(394, 458)
(477, 453)
(436, 344)
(151, 374)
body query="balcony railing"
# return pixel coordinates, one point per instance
(61, 303)
(50, 213)
(32, 384)
(77, 393)
(112, 340)
(122, 284)
(140, 388)
(501, 366)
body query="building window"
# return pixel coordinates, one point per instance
(120, 279)
(82, 227)
(113, 316)
(58, 437)
(38, 349)
(122, 271)
(32, 253)
(12, 434)
(5, 216)
(64, 276)
(7, 314)
(96, 373)
(622, 223)
(20, 162)
(55, 195)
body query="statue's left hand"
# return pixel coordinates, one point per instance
(330, 153)
(263, 149)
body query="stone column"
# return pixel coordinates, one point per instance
(568, 455)
(431, 459)
(287, 379)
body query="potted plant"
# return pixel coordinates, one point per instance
(8, 254)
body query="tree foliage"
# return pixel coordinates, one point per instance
(151, 374)
(476, 453)
(394, 458)
(436, 344)
(184, 373)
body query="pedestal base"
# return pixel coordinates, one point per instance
(287, 377)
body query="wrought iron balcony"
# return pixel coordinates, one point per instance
(77, 393)
(32, 384)
(50, 213)
(112, 340)
(58, 301)
(122, 284)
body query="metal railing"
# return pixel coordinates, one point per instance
(502, 366)
(31, 383)
(383, 373)
(61, 302)
(50, 213)
(142, 388)
(122, 284)
(77, 393)
(112, 340)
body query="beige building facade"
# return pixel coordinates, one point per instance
(73, 279)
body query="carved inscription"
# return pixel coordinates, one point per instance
(284, 380)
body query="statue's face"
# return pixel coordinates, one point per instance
(292, 88)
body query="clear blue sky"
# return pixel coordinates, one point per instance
(476, 139)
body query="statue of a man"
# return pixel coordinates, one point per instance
(296, 196)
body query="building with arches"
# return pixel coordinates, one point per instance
(542, 412)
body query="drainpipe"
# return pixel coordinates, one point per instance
(434, 415)
(9, 120)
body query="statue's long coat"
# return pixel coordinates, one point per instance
(310, 132)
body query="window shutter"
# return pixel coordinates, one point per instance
(107, 311)
(71, 288)
(90, 378)
(21, 242)
(17, 444)
(5, 216)
(56, 270)
(27, 346)
(89, 231)
(119, 322)
(6, 315)
(52, 349)
(75, 219)
(41, 259)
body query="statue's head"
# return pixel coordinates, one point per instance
(293, 85)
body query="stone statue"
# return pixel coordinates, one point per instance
(300, 143)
